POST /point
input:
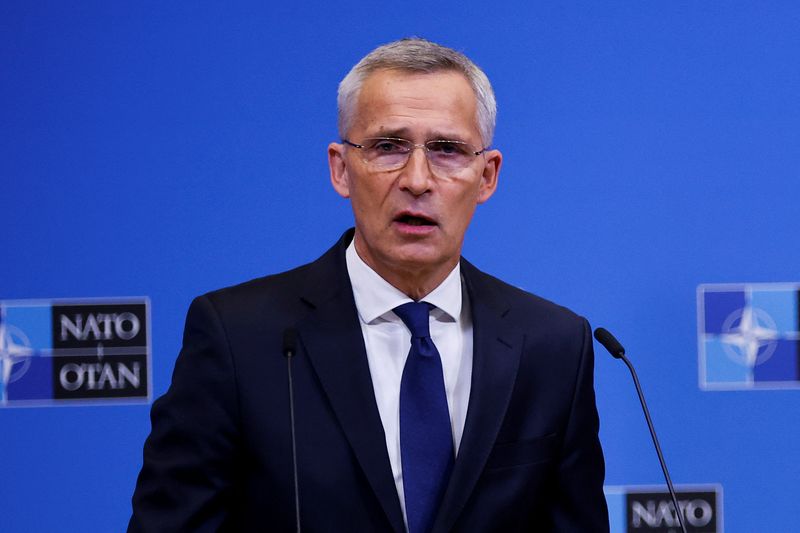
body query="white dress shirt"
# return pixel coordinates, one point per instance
(388, 342)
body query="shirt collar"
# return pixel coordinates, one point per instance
(376, 297)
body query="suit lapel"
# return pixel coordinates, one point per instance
(335, 348)
(496, 354)
(333, 341)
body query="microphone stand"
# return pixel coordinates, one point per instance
(613, 346)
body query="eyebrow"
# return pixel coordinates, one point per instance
(405, 133)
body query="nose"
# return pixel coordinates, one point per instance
(416, 176)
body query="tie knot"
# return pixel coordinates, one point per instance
(415, 316)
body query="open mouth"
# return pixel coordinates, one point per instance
(415, 220)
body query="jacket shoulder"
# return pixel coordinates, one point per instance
(284, 291)
(283, 286)
(520, 306)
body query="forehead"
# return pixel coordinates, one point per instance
(396, 101)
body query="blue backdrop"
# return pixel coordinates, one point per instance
(167, 150)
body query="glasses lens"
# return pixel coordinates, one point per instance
(450, 155)
(385, 153)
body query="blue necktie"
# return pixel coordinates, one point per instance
(426, 441)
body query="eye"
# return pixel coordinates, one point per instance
(387, 146)
(448, 147)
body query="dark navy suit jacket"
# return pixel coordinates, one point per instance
(219, 456)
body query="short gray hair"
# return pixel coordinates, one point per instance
(414, 54)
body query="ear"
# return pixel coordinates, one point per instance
(491, 170)
(338, 168)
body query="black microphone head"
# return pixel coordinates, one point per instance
(289, 342)
(609, 342)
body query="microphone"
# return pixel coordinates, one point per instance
(289, 350)
(610, 342)
(614, 347)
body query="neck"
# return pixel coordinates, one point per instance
(415, 281)
(415, 284)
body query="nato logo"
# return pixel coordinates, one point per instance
(749, 336)
(650, 509)
(57, 352)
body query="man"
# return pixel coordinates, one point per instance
(428, 396)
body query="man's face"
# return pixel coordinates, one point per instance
(411, 222)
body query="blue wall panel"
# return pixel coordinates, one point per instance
(166, 150)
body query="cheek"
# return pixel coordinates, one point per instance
(369, 194)
(367, 202)
(462, 205)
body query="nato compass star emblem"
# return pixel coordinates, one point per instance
(749, 336)
(15, 355)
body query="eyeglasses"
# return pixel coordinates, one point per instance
(384, 154)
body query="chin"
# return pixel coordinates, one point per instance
(420, 260)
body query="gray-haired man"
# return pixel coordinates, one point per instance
(428, 396)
